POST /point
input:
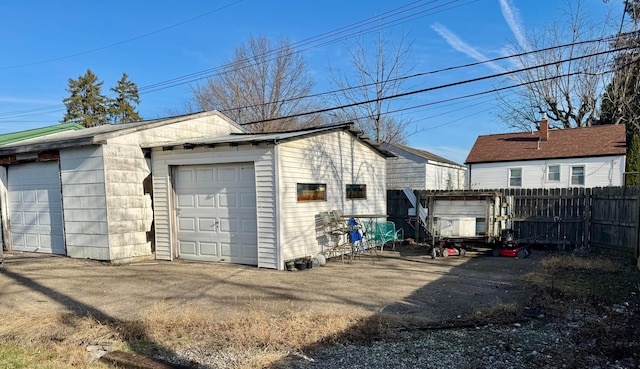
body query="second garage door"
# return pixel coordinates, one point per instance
(35, 207)
(216, 213)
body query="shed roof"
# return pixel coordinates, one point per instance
(427, 156)
(97, 135)
(562, 143)
(275, 137)
(8, 138)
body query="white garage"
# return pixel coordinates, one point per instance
(242, 198)
(35, 207)
(216, 213)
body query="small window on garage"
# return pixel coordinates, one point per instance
(356, 191)
(312, 192)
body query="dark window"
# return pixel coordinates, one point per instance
(356, 191)
(312, 192)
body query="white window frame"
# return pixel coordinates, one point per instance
(511, 177)
(549, 179)
(583, 176)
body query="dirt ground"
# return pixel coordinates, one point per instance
(405, 281)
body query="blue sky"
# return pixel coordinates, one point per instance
(44, 43)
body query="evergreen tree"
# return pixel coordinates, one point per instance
(633, 161)
(121, 109)
(86, 105)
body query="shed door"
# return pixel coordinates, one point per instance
(216, 213)
(35, 207)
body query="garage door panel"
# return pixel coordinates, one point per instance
(36, 207)
(223, 203)
(227, 175)
(185, 201)
(209, 249)
(206, 201)
(187, 224)
(207, 225)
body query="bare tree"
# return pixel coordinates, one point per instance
(262, 83)
(567, 90)
(376, 73)
(621, 102)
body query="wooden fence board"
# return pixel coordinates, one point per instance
(605, 219)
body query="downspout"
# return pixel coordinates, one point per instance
(276, 171)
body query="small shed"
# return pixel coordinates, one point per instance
(253, 198)
(87, 193)
(422, 170)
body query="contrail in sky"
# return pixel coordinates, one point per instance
(512, 17)
(462, 46)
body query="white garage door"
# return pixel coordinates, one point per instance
(216, 213)
(35, 207)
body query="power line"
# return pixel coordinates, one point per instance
(241, 64)
(123, 41)
(447, 85)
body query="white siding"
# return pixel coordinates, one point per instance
(263, 160)
(335, 159)
(442, 176)
(402, 172)
(84, 203)
(418, 173)
(599, 172)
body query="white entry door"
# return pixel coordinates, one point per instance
(216, 213)
(35, 207)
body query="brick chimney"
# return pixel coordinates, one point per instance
(544, 128)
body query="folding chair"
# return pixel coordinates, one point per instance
(386, 232)
(333, 230)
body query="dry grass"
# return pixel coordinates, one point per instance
(65, 336)
(57, 340)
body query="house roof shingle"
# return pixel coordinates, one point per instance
(562, 143)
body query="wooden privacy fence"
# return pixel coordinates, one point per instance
(605, 219)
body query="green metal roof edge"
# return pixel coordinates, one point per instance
(8, 138)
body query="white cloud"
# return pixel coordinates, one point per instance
(461, 46)
(512, 17)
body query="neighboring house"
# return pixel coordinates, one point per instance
(577, 157)
(86, 193)
(422, 170)
(254, 198)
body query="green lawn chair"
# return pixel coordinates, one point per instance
(386, 232)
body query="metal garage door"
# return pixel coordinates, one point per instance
(35, 207)
(216, 213)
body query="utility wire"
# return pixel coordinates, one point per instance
(40, 110)
(123, 41)
(318, 111)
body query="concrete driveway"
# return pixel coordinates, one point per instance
(406, 281)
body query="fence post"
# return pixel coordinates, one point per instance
(636, 252)
(587, 218)
(418, 224)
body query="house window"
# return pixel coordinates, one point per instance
(515, 177)
(356, 191)
(553, 173)
(577, 176)
(312, 192)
